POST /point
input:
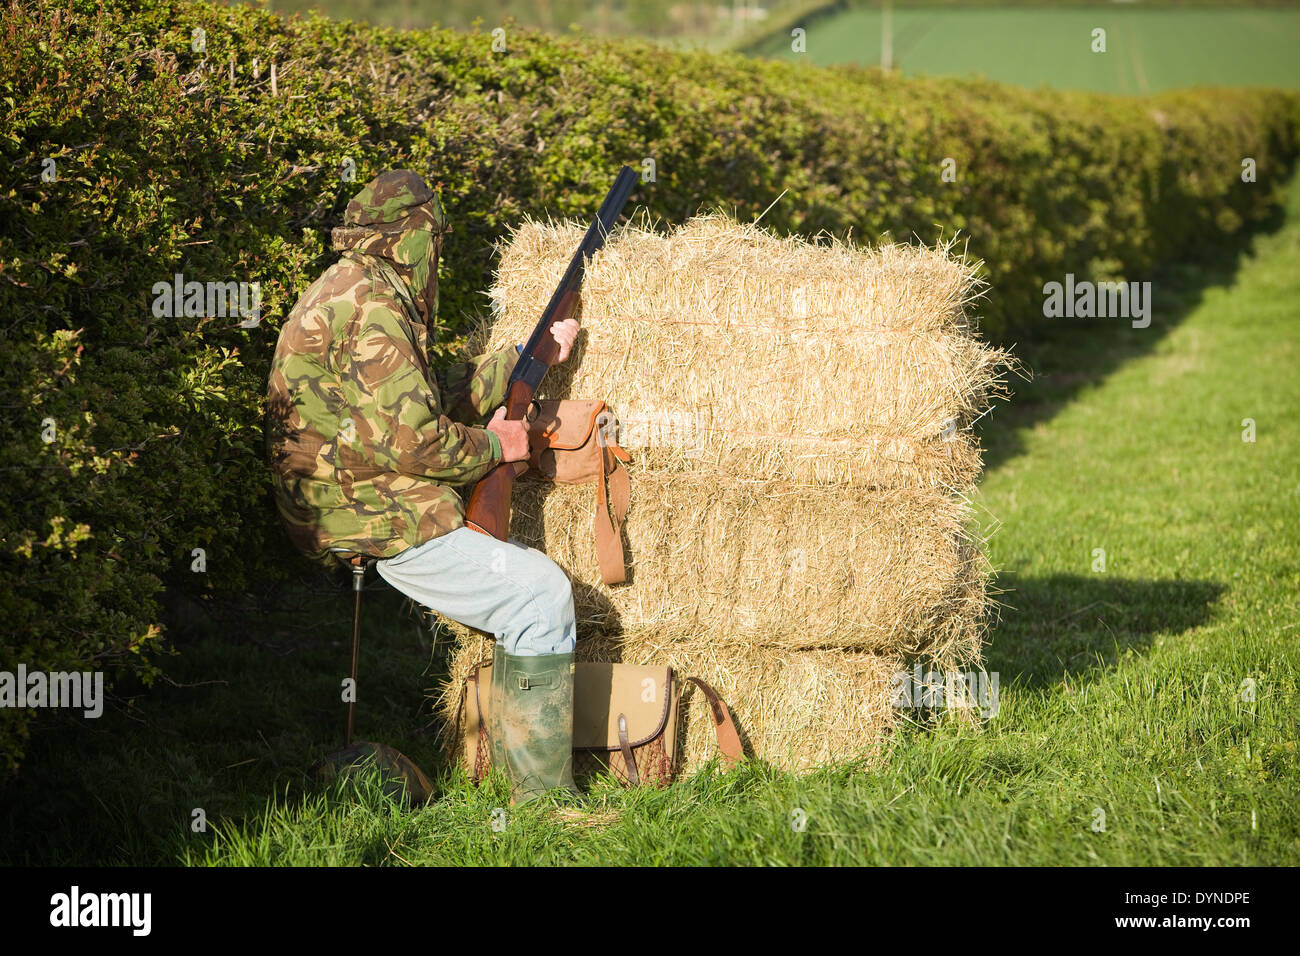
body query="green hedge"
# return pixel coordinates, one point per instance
(165, 165)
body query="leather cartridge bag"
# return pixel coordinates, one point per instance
(625, 721)
(572, 443)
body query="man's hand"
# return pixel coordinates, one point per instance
(512, 435)
(566, 333)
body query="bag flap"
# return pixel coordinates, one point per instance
(564, 425)
(642, 693)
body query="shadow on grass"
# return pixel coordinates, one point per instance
(1066, 356)
(1065, 624)
(245, 707)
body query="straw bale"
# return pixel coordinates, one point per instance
(790, 566)
(799, 416)
(723, 348)
(795, 709)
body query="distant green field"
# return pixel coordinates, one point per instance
(1146, 50)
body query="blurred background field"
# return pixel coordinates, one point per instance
(1149, 46)
(714, 25)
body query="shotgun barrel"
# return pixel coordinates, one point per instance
(540, 350)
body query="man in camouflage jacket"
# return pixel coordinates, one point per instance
(368, 445)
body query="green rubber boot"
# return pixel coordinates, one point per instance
(535, 726)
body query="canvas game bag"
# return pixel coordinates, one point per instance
(625, 721)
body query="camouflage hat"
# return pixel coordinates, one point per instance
(397, 217)
(389, 200)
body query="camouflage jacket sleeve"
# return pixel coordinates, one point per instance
(472, 391)
(400, 425)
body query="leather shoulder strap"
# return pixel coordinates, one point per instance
(629, 758)
(611, 508)
(728, 738)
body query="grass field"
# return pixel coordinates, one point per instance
(1148, 712)
(1146, 50)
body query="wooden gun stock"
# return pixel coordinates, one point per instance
(489, 504)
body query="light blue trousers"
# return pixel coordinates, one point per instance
(515, 593)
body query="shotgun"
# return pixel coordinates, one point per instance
(489, 505)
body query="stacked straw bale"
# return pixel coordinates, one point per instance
(797, 709)
(799, 417)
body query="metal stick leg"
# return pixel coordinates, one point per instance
(358, 580)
